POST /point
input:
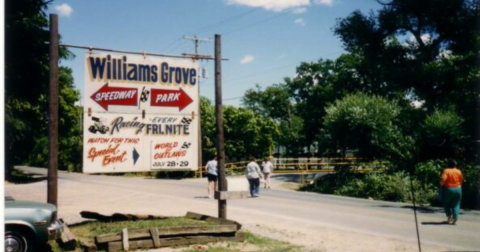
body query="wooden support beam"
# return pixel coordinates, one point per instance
(176, 241)
(125, 243)
(155, 237)
(193, 230)
(87, 246)
(229, 195)
(67, 238)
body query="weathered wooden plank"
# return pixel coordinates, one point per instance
(155, 237)
(67, 238)
(87, 246)
(197, 216)
(145, 233)
(125, 243)
(230, 195)
(176, 241)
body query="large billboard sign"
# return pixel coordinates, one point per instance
(140, 113)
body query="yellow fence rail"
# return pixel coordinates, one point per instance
(304, 165)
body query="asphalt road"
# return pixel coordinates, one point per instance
(317, 222)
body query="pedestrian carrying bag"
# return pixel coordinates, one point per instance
(440, 194)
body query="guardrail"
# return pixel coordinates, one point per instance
(304, 165)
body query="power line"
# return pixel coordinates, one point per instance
(178, 45)
(227, 20)
(197, 40)
(223, 22)
(169, 45)
(276, 68)
(217, 24)
(232, 98)
(256, 23)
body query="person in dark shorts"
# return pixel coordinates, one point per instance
(253, 175)
(212, 174)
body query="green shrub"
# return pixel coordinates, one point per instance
(376, 185)
(429, 172)
(471, 186)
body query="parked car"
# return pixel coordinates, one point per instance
(29, 225)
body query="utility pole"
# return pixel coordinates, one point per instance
(222, 182)
(52, 188)
(196, 40)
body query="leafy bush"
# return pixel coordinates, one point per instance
(368, 124)
(429, 172)
(396, 186)
(442, 134)
(471, 186)
(376, 185)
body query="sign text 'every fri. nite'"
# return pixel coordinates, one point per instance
(140, 113)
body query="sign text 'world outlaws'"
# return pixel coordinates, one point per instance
(140, 113)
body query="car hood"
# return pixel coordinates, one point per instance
(29, 205)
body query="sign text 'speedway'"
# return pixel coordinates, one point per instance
(140, 113)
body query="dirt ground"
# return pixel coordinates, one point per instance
(311, 237)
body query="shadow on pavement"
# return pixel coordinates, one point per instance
(291, 178)
(436, 223)
(19, 177)
(422, 209)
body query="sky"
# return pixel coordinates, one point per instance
(263, 40)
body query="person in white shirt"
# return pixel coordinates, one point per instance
(212, 175)
(267, 171)
(253, 175)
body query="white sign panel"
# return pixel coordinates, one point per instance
(140, 114)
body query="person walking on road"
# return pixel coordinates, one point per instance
(212, 174)
(253, 175)
(451, 181)
(267, 171)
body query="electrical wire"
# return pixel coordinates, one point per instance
(256, 23)
(226, 21)
(277, 68)
(213, 25)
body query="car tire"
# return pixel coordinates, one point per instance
(17, 241)
(92, 129)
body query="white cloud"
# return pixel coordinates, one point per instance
(64, 10)
(247, 59)
(300, 21)
(272, 5)
(324, 2)
(300, 10)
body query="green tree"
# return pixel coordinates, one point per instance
(368, 125)
(410, 49)
(26, 85)
(208, 129)
(275, 102)
(318, 84)
(246, 133)
(442, 134)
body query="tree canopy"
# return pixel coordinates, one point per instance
(26, 86)
(422, 56)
